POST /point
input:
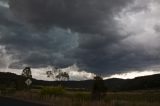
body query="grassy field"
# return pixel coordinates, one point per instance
(69, 98)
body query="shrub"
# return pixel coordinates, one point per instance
(50, 91)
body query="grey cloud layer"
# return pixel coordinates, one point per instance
(66, 32)
(89, 16)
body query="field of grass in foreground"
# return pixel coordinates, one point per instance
(66, 98)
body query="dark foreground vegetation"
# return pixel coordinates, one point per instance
(142, 91)
(5, 101)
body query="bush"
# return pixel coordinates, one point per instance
(50, 91)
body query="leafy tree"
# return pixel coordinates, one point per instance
(63, 76)
(99, 88)
(20, 84)
(49, 73)
(58, 74)
(27, 72)
(53, 72)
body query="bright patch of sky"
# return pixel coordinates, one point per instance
(40, 73)
(134, 74)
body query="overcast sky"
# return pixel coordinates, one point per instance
(99, 36)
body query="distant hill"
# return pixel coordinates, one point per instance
(139, 83)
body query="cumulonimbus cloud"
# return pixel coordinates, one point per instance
(98, 35)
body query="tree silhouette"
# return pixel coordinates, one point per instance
(53, 72)
(27, 72)
(49, 73)
(56, 73)
(63, 76)
(99, 88)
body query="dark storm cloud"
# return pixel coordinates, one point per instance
(38, 49)
(89, 16)
(92, 19)
(66, 32)
(4, 17)
(32, 47)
